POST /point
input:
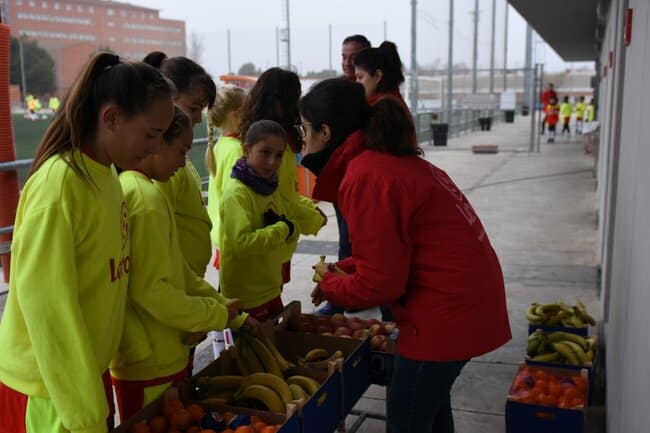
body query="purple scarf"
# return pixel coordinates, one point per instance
(244, 173)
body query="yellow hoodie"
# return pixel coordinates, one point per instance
(184, 193)
(166, 299)
(63, 318)
(251, 254)
(226, 151)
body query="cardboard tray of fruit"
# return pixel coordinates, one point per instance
(559, 317)
(173, 413)
(383, 335)
(544, 399)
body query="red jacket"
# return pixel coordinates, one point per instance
(552, 114)
(547, 95)
(419, 246)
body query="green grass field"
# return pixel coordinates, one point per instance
(28, 133)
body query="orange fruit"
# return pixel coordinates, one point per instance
(258, 426)
(196, 412)
(244, 429)
(227, 431)
(140, 427)
(181, 419)
(158, 424)
(171, 406)
(193, 429)
(209, 430)
(268, 429)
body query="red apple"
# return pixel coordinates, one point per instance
(377, 341)
(359, 334)
(321, 329)
(384, 346)
(329, 334)
(389, 327)
(338, 317)
(374, 322)
(343, 330)
(356, 326)
(376, 330)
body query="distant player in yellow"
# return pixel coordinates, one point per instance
(566, 110)
(54, 104)
(580, 109)
(591, 111)
(70, 252)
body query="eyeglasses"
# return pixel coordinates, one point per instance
(302, 132)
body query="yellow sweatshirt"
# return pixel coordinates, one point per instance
(63, 318)
(166, 299)
(581, 107)
(304, 211)
(184, 193)
(226, 151)
(251, 254)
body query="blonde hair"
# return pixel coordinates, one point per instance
(229, 98)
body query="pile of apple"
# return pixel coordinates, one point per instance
(346, 327)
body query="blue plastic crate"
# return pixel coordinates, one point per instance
(356, 375)
(322, 412)
(531, 418)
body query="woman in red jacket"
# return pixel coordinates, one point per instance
(418, 246)
(379, 71)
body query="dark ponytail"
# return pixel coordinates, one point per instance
(391, 129)
(184, 73)
(132, 86)
(386, 58)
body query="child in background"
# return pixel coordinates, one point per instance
(565, 112)
(552, 111)
(220, 157)
(275, 97)
(581, 107)
(167, 303)
(257, 223)
(195, 91)
(70, 252)
(591, 110)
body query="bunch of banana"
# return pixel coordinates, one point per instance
(259, 355)
(561, 347)
(559, 314)
(319, 358)
(302, 387)
(266, 388)
(317, 278)
(217, 386)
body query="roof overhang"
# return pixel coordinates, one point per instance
(568, 26)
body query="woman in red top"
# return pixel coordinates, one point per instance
(418, 246)
(379, 71)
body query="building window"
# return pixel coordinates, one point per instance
(91, 9)
(55, 18)
(68, 7)
(57, 6)
(80, 8)
(123, 13)
(44, 5)
(19, 3)
(32, 4)
(111, 39)
(111, 24)
(110, 11)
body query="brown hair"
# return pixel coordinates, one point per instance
(132, 86)
(391, 129)
(274, 96)
(229, 98)
(261, 129)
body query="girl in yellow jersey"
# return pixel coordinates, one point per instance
(195, 91)
(167, 303)
(275, 97)
(220, 157)
(257, 223)
(70, 254)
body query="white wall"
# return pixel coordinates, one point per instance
(628, 325)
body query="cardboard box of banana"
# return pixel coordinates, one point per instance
(562, 348)
(559, 314)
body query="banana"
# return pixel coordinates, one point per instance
(241, 362)
(582, 313)
(567, 336)
(565, 307)
(216, 384)
(270, 381)
(592, 343)
(550, 308)
(306, 383)
(563, 349)
(533, 345)
(590, 355)
(264, 395)
(325, 362)
(298, 392)
(532, 317)
(281, 360)
(249, 358)
(547, 357)
(265, 356)
(580, 354)
(316, 355)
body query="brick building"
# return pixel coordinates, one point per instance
(72, 30)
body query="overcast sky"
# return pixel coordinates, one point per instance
(253, 27)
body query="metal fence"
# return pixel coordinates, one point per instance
(462, 122)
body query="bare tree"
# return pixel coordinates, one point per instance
(196, 47)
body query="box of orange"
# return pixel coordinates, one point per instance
(543, 400)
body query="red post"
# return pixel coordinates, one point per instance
(8, 179)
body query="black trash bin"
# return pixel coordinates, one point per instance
(524, 110)
(439, 132)
(485, 123)
(510, 116)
